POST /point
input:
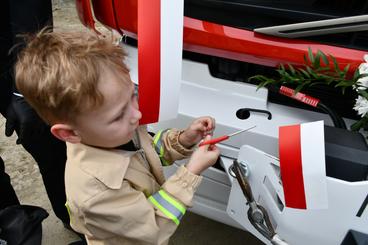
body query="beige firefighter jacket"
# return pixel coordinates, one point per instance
(121, 197)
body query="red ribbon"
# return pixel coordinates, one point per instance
(291, 166)
(149, 59)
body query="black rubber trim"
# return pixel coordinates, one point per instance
(363, 207)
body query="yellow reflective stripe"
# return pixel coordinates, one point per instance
(164, 162)
(158, 145)
(68, 209)
(171, 200)
(162, 158)
(157, 137)
(162, 209)
(161, 151)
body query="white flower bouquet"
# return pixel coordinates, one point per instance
(361, 103)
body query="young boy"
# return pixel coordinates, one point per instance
(116, 190)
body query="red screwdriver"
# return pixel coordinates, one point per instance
(224, 137)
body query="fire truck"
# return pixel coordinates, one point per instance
(224, 43)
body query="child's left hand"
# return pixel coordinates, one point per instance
(197, 130)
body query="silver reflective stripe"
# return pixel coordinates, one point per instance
(168, 206)
(320, 27)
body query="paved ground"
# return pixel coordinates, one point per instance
(28, 184)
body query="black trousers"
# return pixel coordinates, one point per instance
(18, 17)
(50, 155)
(7, 193)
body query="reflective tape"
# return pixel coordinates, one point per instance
(168, 205)
(68, 209)
(158, 144)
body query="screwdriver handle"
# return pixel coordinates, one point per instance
(214, 141)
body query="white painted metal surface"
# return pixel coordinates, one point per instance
(295, 226)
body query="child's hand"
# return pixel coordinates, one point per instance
(197, 131)
(203, 158)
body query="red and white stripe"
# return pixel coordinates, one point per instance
(160, 42)
(302, 165)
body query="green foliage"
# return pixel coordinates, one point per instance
(362, 123)
(318, 69)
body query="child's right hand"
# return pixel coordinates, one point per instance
(203, 158)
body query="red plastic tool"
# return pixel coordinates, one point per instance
(224, 137)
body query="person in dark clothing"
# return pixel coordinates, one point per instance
(7, 193)
(20, 17)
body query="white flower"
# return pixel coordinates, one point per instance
(361, 106)
(363, 68)
(362, 83)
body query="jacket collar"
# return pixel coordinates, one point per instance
(107, 165)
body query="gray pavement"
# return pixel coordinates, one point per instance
(28, 184)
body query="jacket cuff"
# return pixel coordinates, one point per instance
(182, 185)
(173, 138)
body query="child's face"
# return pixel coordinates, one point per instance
(114, 122)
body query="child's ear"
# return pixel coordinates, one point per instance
(66, 133)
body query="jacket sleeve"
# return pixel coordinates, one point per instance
(167, 145)
(130, 216)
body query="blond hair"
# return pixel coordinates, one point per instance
(58, 72)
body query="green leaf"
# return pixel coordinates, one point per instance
(359, 124)
(341, 84)
(310, 55)
(281, 72)
(357, 75)
(264, 81)
(258, 77)
(316, 83)
(306, 61)
(324, 58)
(306, 74)
(337, 69)
(346, 69)
(282, 67)
(264, 84)
(289, 77)
(299, 87)
(363, 93)
(324, 76)
(322, 69)
(317, 59)
(311, 72)
(291, 68)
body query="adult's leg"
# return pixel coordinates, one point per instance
(7, 193)
(29, 16)
(50, 155)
